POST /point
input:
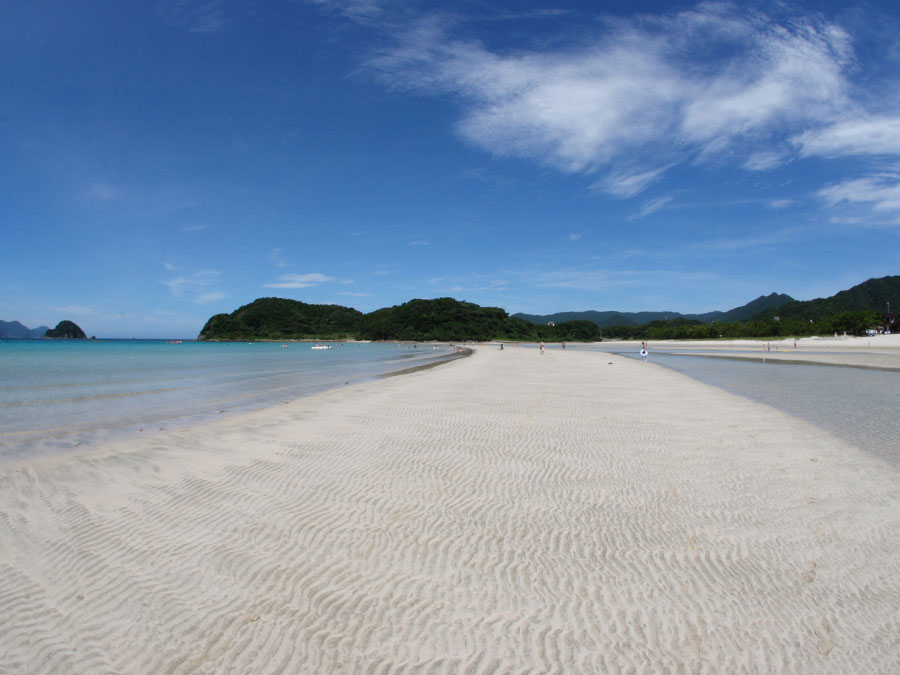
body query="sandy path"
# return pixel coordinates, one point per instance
(505, 513)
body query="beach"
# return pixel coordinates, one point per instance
(508, 512)
(880, 352)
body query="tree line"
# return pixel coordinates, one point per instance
(852, 323)
(443, 319)
(446, 320)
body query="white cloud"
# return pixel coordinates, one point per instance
(193, 228)
(868, 136)
(880, 192)
(575, 236)
(355, 295)
(300, 280)
(644, 89)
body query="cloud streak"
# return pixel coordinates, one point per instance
(300, 280)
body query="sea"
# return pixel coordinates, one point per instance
(58, 395)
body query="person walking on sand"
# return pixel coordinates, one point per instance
(542, 347)
(643, 351)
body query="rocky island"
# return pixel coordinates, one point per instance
(66, 330)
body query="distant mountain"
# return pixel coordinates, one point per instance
(606, 319)
(874, 295)
(14, 329)
(772, 301)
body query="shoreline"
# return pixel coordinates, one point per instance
(881, 352)
(576, 512)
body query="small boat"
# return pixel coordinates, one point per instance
(317, 346)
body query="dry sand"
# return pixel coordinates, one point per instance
(508, 512)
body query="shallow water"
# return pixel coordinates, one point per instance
(57, 394)
(861, 406)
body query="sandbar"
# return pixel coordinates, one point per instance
(573, 512)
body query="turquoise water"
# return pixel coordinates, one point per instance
(56, 394)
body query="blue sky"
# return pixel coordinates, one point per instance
(161, 162)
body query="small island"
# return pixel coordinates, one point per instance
(66, 330)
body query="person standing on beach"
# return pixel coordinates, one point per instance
(542, 347)
(643, 351)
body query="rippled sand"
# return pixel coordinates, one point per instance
(509, 512)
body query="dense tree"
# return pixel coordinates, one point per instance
(282, 319)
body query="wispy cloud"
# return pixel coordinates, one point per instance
(276, 255)
(764, 160)
(198, 287)
(300, 280)
(867, 136)
(102, 192)
(745, 243)
(355, 295)
(655, 205)
(193, 228)
(419, 242)
(644, 88)
(211, 296)
(781, 203)
(628, 184)
(881, 192)
(195, 16)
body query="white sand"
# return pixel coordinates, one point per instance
(504, 513)
(879, 351)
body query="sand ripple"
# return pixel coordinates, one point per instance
(504, 513)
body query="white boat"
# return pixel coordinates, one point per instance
(321, 347)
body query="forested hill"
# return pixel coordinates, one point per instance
(446, 319)
(607, 319)
(442, 319)
(873, 295)
(281, 319)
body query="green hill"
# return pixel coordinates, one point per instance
(281, 319)
(443, 319)
(67, 330)
(872, 295)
